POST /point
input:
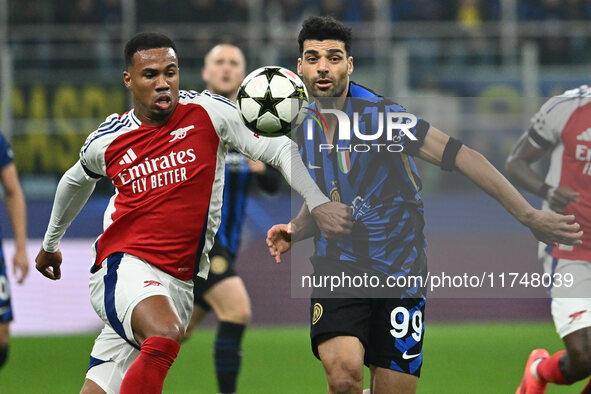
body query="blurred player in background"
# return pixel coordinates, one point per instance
(166, 159)
(387, 237)
(17, 211)
(224, 290)
(561, 129)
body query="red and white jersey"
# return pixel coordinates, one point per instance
(168, 181)
(564, 124)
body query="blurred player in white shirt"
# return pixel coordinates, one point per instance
(561, 129)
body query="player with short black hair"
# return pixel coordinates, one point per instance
(147, 40)
(322, 28)
(387, 236)
(165, 158)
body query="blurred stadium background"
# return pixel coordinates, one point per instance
(477, 69)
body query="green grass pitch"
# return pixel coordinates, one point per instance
(466, 358)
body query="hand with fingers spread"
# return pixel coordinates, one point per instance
(279, 240)
(334, 219)
(49, 264)
(560, 197)
(552, 228)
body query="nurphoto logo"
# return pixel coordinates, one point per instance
(395, 125)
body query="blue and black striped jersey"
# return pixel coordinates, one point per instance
(236, 187)
(382, 186)
(5, 159)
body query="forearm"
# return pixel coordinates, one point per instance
(283, 154)
(303, 225)
(520, 172)
(72, 192)
(476, 167)
(17, 211)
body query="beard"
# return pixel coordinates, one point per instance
(336, 89)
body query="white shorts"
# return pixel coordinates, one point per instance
(571, 304)
(122, 282)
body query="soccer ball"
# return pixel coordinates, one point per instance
(271, 101)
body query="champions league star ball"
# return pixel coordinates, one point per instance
(272, 101)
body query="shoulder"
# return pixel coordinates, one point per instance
(358, 91)
(569, 99)
(112, 125)
(205, 97)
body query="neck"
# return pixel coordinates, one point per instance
(331, 103)
(145, 118)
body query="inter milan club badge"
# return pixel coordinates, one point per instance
(334, 192)
(317, 313)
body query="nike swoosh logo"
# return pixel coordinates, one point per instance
(3, 310)
(408, 357)
(312, 167)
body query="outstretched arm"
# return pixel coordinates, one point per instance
(547, 227)
(17, 211)
(72, 192)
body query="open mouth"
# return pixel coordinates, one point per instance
(163, 102)
(323, 83)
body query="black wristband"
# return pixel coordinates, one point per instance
(543, 190)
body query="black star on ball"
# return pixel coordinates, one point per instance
(268, 103)
(270, 72)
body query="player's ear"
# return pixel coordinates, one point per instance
(204, 74)
(127, 79)
(300, 73)
(350, 65)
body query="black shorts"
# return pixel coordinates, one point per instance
(390, 329)
(222, 267)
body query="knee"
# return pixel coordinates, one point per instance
(243, 315)
(174, 331)
(238, 315)
(345, 377)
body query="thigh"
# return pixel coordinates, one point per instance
(221, 267)
(4, 334)
(118, 286)
(124, 281)
(396, 339)
(334, 317)
(571, 301)
(342, 353)
(5, 304)
(110, 357)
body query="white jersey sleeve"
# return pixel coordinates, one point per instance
(92, 153)
(230, 128)
(280, 152)
(548, 123)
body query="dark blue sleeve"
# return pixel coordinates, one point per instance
(5, 152)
